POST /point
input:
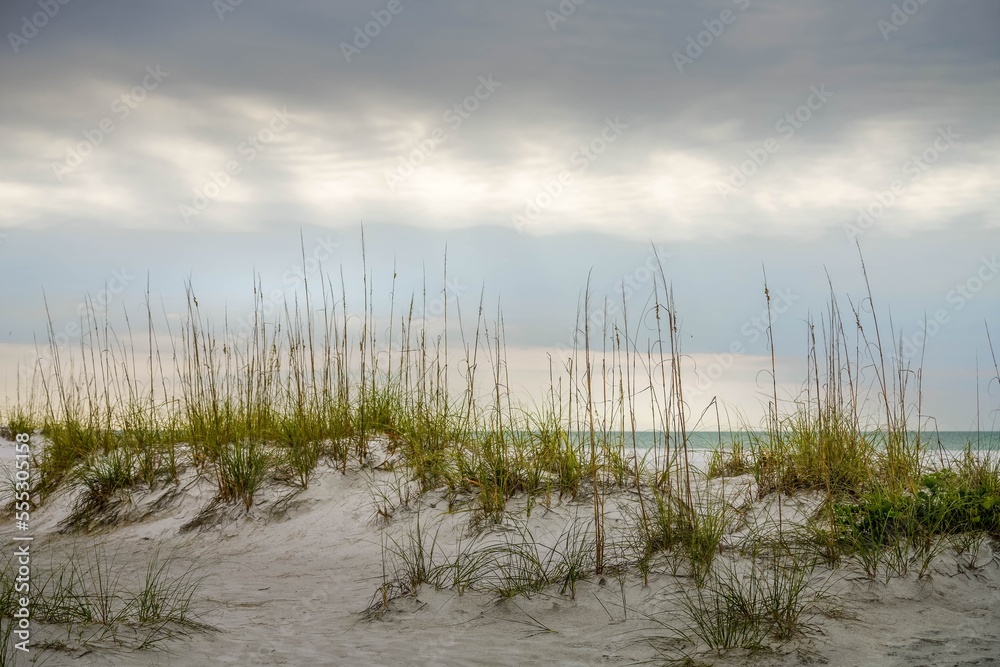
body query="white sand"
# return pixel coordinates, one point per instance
(287, 585)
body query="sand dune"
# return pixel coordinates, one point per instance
(289, 583)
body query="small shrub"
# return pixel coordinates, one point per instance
(882, 527)
(944, 503)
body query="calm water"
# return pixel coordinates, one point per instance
(948, 440)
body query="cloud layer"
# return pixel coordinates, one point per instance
(558, 136)
(722, 130)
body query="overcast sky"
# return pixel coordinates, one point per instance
(536, 141)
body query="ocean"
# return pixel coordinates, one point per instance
(946, 440)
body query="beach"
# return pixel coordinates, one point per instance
(298, 580)
(482, 333)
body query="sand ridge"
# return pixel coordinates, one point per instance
(289, 584)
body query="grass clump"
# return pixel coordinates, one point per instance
(755, 606)
(516, 565)
(744, 609)
(241, 470)
(431, 445)
(103, 477)
(559, 458)
(730, 462)
(300, 449)
(18, 420)
(682, 532)
(407, 563)
(153, 447)
(68, 442)
(810, 454)
(523, 565)
(98, 601)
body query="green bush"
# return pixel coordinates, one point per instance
(946, 503)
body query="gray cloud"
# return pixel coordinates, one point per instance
(352, 122)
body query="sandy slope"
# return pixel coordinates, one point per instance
(287, 585)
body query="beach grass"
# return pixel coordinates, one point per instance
(97, 598)
(319, 386)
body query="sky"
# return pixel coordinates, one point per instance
(527, 146)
